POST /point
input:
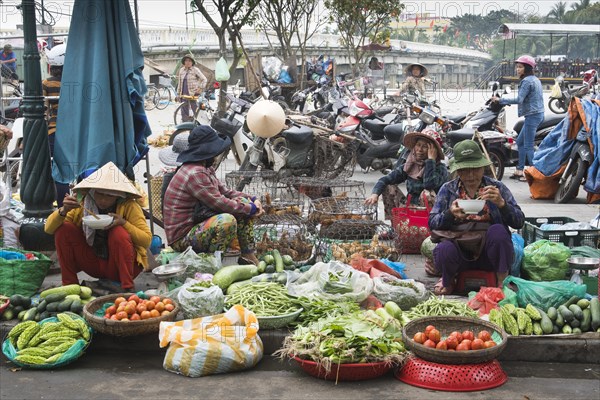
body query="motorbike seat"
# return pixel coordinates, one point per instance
(460, 135)
(374, 126)
(394, 133)
(295, 134)
(549, 120)
(383, 111)
(455, 117)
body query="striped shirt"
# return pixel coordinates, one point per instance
(51, 87)
(195, 183)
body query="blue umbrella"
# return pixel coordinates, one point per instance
(101, 116)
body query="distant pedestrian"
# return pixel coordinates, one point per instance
(8, 60)
(415, 79)
(531, 106)
(191, 83)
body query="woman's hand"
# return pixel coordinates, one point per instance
(259, 208)
(117, 221)
(432, 152)
(456, 211)
(69, 203)
(372, 200)
(492, 193)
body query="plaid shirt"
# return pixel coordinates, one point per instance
(441, 217)
(195, 79)
(193, 183)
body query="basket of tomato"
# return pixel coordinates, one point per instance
(454, 340)
(126, 314)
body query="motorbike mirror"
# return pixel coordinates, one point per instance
(265, 119)
(507, 90)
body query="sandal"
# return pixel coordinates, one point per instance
(523, 179)
(516, 176)
(430, 268)
(440, 290)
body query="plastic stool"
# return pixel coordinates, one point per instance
(474, 279)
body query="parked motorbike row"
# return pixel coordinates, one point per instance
(562, 94)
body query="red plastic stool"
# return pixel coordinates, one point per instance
(472, 280)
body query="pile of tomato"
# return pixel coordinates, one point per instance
(136, 309)
(455, 341)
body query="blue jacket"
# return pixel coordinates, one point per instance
(530, 99)
(440, 216)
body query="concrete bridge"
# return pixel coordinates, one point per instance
(450, 66)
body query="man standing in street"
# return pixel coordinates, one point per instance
(8, 60)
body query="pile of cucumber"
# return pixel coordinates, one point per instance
(273, 261)
(17, 307)
(576, 316)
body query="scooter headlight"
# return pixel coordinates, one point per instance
(427, 116)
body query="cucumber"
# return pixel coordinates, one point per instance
(18, 300)
(21, 315)
(393, 309)
(66, 290)
(567, 329)
(44, 315)
(234, 287)
(577, 312)
(583, 304)
(233, 273)
(8, 314)
(287, 260)
(576, 331)
(595, 309)
(552, 313)
(270, 269)
(37, 317)
(30, 314)
(575, 323)
(76, 307)
(18, 309)
(566, 313)
(65, 305)
(55, 297)
(42, 306)
(73, 297)
(278, 261)
(560, 321)
(586, 322)
(555, 329)
(262, 265)
(268, 258)
(572, 300)
(52, 307)
(545, 323)
(86, 292)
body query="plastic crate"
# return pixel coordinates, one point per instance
(531, 232)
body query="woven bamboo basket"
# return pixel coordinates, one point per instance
(123, 328)
(447, 325)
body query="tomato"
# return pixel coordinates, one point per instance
(165, 313)
(451, 342)
(114, 317)
(145, 315)
(121, 314)
(429, 343)
(129, 309)
(119, 300)
(484, 335)
(428, 329)
(155, 299)
(132, 303)
(135, 317)
(169, 307)
(462, 346)
(457, 335)
(166, 301)
(434, 335)
(154, 313)
(489, 344)
(442, 345)
(134, 297)
(467, 343)
(150, 305)
(477, 344)
(420, 337)
(111, 310)
(125, 320)
(140, 308)
(160, 307)
(468, 335)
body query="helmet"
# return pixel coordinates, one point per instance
(56, 56)
(526, 60)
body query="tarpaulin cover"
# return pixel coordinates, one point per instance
(101, 116)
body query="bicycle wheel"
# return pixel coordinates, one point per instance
(150, 99)
(163, 98)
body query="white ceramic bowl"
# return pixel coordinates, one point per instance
(471, 206)
(101, 223)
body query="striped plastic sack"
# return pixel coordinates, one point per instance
(212, 345)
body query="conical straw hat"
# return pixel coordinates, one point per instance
(265, 118)
(109, 177)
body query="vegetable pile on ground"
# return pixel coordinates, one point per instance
(316, 309)
(438, 306)
(575, 316)
(356, 337)
(47, 342)
(265, 299)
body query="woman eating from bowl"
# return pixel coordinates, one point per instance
(472, 239)
(116, 251)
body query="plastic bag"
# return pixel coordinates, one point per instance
(198, 301)
(510, 297)
(544, 294)
(486, 299)
(407, 293)
(546, 261)
(221, 70)
(272, 67)
(332, 281)
(396, 266)
(212, 345)
(377, 268)
(518, 246)
(202, 262)
(284, 77)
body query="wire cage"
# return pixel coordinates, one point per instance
(257, 183)
(326, 210)
(286, 233)
(370, 239)
(334, 159)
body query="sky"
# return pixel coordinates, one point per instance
(172, 13)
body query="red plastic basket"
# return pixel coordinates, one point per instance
(412, 226)
(346, 372)
(452, 378)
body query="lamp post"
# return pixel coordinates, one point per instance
(37, 187)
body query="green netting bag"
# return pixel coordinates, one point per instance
(23, 277)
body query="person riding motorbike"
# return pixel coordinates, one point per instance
(415, 79)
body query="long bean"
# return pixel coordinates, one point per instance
(265, 299)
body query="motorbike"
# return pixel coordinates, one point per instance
(266, 91)
(561, 94)
(580, 159)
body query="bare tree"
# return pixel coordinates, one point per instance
(289, 20)
(230, 17)
(362, 20)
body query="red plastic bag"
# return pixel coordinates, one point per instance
(486, 299)
(373, 267)
(412, 226)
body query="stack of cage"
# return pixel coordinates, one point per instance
(256, 183)
(334, 158)
(286, 233)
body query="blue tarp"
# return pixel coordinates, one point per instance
(584, 116)
(101, 116)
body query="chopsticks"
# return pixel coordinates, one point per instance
(90, 212)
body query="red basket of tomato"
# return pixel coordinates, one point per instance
(454, 340)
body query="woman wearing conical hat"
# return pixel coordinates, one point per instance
(116, 252)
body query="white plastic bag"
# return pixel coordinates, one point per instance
(202, 263)
(222, 70)
(332, 281)
(197, 301)
(407, 293)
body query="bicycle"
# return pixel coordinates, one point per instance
(202, 105)
(166, 93)
(150, 99)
